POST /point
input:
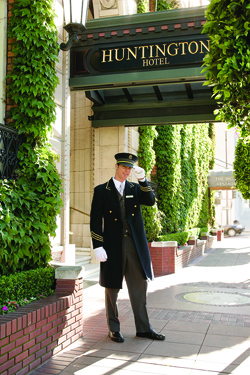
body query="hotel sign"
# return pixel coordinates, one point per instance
(140, 56)
(221, 180)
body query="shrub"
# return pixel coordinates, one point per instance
(181, 237)
(194, 232)
(204, 230)
(27, 284)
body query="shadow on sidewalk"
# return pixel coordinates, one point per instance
(236, 363)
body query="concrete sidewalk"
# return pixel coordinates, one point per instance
(204, 311)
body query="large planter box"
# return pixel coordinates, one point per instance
(167, 258)
(35, 332)
(163, 257)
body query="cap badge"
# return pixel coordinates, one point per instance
(130, 156)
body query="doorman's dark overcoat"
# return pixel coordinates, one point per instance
(107, 227)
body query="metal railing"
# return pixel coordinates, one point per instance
(10, 142)
(81, 212)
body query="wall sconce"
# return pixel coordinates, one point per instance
(76, 12)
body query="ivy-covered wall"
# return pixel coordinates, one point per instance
(31, 203)
(183, 157)
(152, 217)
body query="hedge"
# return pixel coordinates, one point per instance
(181, 237)
(27, 284)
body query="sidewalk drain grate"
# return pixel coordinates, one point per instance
(226, 299)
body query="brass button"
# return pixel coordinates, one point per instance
(133, 214)
(110, 212)
(115, 219)
(135, 205)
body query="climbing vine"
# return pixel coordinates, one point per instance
(168, 161)
(30, 205)
(142, 6)
(152, 217)
(227, 65)
(183, 155)
(146, 152)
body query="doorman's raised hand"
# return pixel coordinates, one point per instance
(139, 172)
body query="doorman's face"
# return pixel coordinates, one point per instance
(122, 172)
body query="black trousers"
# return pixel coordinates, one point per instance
(137, 288)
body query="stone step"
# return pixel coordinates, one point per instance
(91, 271)
(82, 256)
(82, 251)
(82, 260)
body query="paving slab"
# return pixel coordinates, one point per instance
(187, 327)
(192, 338)
(171, 349)
(220, 341)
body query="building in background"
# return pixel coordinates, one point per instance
(230, 205)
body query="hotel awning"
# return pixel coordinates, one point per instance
(144, 69)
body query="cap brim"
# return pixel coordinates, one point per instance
(126, 163)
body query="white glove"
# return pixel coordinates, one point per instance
(100, 254)
(139, 172)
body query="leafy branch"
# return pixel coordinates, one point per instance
(227, 65)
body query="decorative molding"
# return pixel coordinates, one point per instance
(108, 4)
(158, 29)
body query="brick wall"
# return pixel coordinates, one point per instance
(151, 5)
(35, 332)
(163, 259)
(168, 259)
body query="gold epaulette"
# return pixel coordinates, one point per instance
(96, 237)
(145, 188)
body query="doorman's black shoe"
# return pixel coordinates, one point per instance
(116, 336)
(151, 335)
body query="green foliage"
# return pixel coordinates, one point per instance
(152, 218)
(11, 305)
(163, 5)
(183, 155)
(142, 6)
(168, 160)
(181, 237)
(146, 152)
(33, 78)
(30, 204)
(204, 230)
(166, 4)
(242, 167)
(228, 62)
(151, 215)
(212, 135)
(27, 284)
(194, 232)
